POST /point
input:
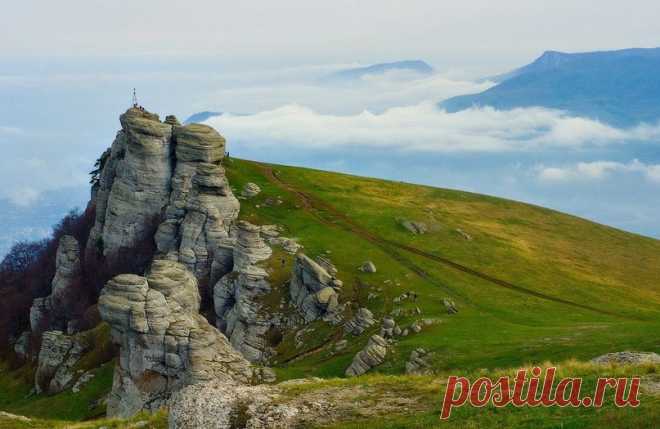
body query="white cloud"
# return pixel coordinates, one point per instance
(422, 127)
(597, 170)
(10, 131)
(24, 196)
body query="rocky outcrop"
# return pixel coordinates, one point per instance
(22, 346)
(627, 358)
(363, 320)
(58, 355)
(314, 291)
(371, 356)
(62, 305)
(164, 177)
(134, 183)
(164, 342)
(201, 207)
(238, 296)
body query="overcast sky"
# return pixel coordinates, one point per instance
(67, 70)
(466, 33)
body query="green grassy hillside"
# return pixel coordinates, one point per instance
(531, 285)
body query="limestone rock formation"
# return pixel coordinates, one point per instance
(314, 291)
(58, 355)
(134, 182)
(371, 356)
(57, 309)
(201, 207)
(164, 342)
(237, 296)
(164, 177)
(363, 320)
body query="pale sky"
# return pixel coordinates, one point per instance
(457, 33)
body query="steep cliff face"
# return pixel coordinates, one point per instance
(238, 295)
(134, 182)
(164, 342)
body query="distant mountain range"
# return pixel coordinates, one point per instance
(201, 117)
(416, 66)
(621, 88)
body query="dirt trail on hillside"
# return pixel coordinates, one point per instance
(317, 207)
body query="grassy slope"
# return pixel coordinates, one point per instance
(610, 278)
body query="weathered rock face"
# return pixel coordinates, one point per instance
(134, 182)
(57, 357)
(238, 295)
(57, 309)
(164, 342)
(22, 345)
(371, 356)
(314, 291)
(201, 206)
(363, 320)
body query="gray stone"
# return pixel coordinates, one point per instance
(164, 342)
(311, 290)
(363, 320)
(238, 296)
(58, 355)
(368, 267)
(250, 190)
(450, 306)
(371, 356)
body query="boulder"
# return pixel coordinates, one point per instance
(450, 306)
(164, 342)
(314, 291)
(57, 357)
(371, 356)
(368, 267)
(250, 190)
(363, 320)
(418, 362)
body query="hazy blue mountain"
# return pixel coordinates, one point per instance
(201, 117)
(416, 66)
(621, 88)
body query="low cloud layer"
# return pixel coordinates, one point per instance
(597, 171)
(423, 127)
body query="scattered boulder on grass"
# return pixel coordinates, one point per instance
(368, 267)
(250, 190)
(363, 320)
(464, 234)
(450, 306)
(627, 358)
(414, 227)
(387, 327)
(418, 362)
(371, 356)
